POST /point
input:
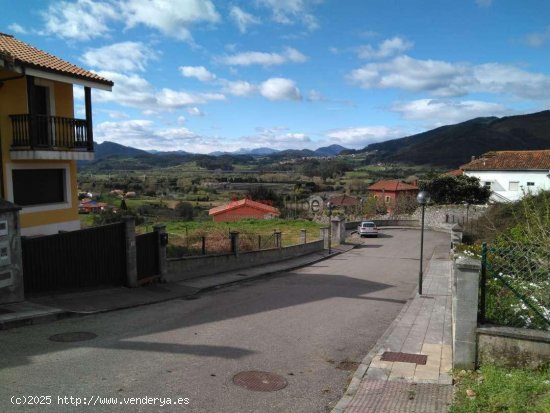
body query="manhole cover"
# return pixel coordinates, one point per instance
(404, 357)
(260, 381)
(73, 336)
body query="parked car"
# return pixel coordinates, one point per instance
(367, 229)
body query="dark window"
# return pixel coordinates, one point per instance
(38, 186)
(530, 184)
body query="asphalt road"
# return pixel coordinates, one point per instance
(309, 326)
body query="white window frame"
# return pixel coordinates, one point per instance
(10, 167)
(513, 186)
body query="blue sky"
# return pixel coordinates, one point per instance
(206, 75)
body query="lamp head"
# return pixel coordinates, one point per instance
(423, 197)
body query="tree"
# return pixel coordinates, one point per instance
(185, 211)
(264, 194)
(123, 205)
(456, 189)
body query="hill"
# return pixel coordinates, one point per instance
(453, 145)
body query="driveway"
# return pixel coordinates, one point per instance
(310, 326)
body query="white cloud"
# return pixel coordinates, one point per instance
(17, 28)
(315, 96)
(403, 72)
(278, 88)
(199, 72)
(181, 120)
(172, 18)
(242, 19)
(445, 112)
(240, 88)
(263, 58)
(359, 137)
(195, 111)
(292, 11)
(124, 57)
(134, 91)
(446, 79)
(386, 48)
(277, 138)
(87, 19)
(538, 39)
(80, 20)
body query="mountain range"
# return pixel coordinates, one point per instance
(445, 147)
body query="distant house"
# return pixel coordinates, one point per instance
(344, 201)
(510, 174)
(392, 191)
(89, 206)
(243, 209)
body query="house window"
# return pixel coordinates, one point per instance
(38, 186)
(530, 184)
(487, 184)
(513, 186)
(388, 199)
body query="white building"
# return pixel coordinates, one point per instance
(510, 174)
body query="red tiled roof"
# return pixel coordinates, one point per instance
(511, 160)
(392, 185)
(243, 202)
(343, 200)
(21, 53)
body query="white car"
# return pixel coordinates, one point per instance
(367, 229)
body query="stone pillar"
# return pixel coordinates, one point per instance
(11, 256)
(160, 229)
(456, 234)
(131, 256)
(338, 229)
(323, 234)
(465, 286)
(234, 242)
(303, 236)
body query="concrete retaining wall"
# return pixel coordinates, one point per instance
(513, 347)
(386, 223)
(179, 269)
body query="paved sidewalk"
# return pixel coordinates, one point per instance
(48, 308)
(423, 327)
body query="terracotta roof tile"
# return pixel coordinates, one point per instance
(511, 160)
(21, 53)
(241, 203)
(344, 200)
(455, 172)
(392, 185)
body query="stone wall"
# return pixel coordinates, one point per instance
(179, 269)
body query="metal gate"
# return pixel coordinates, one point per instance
(86, 258)
(147, 252)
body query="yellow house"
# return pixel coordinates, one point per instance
(40, 139)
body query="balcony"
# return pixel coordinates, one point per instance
(50, 137)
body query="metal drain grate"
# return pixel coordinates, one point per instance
(73, 336)
(260, 381)
(404, 357)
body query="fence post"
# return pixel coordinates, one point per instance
(160, 229)
(203, 246)
(456, 234)
(259, 242)
(234, 242)
(278, 239)
(465, 296)
(483, 283)
(131, 257)
(303, 236)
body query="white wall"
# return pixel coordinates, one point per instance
(500, 181)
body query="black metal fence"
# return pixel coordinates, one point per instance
(147, 255)
(515, 286)
(78, 259)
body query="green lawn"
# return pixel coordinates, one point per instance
(493, 389)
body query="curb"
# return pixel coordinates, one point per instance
(365, 363)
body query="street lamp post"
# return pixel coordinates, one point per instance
(329, 207)
(422, 198)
